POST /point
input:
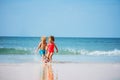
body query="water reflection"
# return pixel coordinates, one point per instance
(47, 72)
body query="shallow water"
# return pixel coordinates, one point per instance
(58, 59)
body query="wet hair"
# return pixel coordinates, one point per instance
(52, 38)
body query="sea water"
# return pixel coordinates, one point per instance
(71, 49)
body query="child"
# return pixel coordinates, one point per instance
(50, 48)
(41, 47)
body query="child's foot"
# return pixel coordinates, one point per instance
(46, 60)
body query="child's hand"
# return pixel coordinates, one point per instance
(56, 51)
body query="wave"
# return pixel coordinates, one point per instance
(20, 51)
(114, 52)
(62, 51)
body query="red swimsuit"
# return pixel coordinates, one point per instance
(51, 47)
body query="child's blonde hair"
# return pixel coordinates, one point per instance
(43, 38)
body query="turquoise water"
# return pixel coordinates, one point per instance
(21, 49)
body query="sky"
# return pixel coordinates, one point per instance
(61, 18)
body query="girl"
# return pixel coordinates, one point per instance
(50, 48)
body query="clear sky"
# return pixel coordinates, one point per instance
(61, 18)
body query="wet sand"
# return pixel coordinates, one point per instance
(60, 71)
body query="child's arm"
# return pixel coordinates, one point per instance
(46, 48)
(56, 48)
(38, 47)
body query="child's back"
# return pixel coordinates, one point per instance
(42, 47)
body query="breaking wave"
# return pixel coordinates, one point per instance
(67, 51)
(114, 52)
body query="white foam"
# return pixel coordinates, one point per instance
(114, 52)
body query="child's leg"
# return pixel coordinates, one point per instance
(50, 57)
(47, 57)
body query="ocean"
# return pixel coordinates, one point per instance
(71, 49)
